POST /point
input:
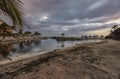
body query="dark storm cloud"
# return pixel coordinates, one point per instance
(51, 16)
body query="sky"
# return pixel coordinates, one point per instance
(73, 17)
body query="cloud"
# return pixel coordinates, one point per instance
(51, 17)
(97, 5)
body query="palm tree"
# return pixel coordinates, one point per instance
(114, 27)
(62, 34)
(20, 33)
(27, 33)
(12, 9)
(37, 34)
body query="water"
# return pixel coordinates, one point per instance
(19, 50)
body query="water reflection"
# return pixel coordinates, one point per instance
(10, 51)
(28, 43)
(5, 49)
(37, 42)
(17, 48)
(62, 43)
(21, 45)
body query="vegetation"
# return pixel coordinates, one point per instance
(62, 34)
(27, 33)
(12, 9)
(37, 34)
(20, 33)
(114, 33)
(83, 37)
(114, 27)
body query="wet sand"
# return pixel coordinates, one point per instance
(85, 61)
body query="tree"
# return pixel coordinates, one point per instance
(28, 33)
(20, 33)
(89, 36)
(62, 34)
(12, 9)
(37, 34)
(114, 27)
(101, 36)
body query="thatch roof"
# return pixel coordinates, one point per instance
(5, 26)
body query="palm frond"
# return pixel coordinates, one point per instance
(12, 8)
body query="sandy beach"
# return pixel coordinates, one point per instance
(85, 61)
(59, 39)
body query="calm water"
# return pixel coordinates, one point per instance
(14, 51)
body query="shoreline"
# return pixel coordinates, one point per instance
(16, 69)
(48, 52)
(21, 39)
